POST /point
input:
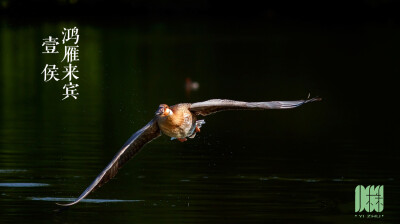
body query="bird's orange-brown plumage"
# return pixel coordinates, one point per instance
(179, 123)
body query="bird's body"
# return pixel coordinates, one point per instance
(179, 121)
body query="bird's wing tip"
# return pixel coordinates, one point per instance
(317, 98)
(66, 205)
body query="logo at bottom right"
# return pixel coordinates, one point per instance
(369, 198)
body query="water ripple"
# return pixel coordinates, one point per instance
(84, 200)
(12, 170)
(23, 185)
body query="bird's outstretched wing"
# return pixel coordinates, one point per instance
(212, 106)
(130, 149)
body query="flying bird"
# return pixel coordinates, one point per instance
(191, 86)
(179, 122)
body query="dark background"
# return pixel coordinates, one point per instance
(280, 166)
(333, 12)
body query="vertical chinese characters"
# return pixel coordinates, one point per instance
(71, 56)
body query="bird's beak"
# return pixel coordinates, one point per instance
(160, 111)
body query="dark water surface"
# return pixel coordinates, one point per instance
(295, 166)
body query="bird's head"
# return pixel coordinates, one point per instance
(163, 110)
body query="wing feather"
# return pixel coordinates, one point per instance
(212, 106)
(128, 150)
